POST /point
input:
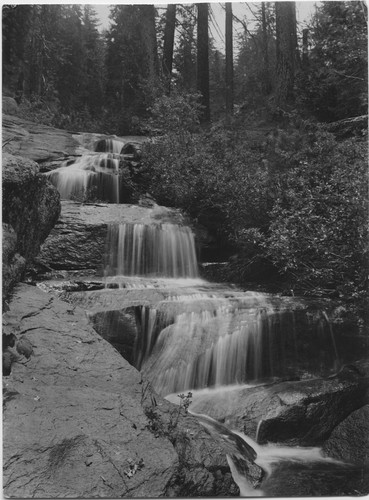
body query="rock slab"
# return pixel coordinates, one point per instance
(36, 141)
(78, 240)
(75, 423)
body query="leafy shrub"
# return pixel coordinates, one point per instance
(177, 113)
(318, 232)
(218, 179)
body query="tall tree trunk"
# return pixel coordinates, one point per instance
(266, 84)
(229, 60)
(305, 50)
(148, 31)
(170, 22)
(203, 59)
(286, 45)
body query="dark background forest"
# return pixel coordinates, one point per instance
(263, 142)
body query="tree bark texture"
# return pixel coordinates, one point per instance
(148, 32)
(229, 60)
(305, 49)
(170, 22)
(286, 45)
(266, 84)
(203, 59)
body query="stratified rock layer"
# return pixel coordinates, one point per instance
(76, 421)
(31, 207)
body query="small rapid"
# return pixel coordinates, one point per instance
(93, 174)
(165, 250)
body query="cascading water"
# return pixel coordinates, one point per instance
(96, 173)
(234, 345)
(165, 250)
(211, 338)
(195, 336)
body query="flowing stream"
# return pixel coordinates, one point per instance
(95, 173)
(199, 336)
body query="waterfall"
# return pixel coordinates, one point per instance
(165, 250)
(234, 345)
(94, 175)
(97, 173)
(109, 145)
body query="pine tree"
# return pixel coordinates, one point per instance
(286, 45)
(93, 63)
(203, 59)
(229, 59)
(184, 58)
(170, 22)
(335, 85)
(132, 61)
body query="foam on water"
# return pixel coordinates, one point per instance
(165, 250)
(98, 170)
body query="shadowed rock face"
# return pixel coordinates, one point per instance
(31, 208)
(77, 417)
(298, 413)
(78, 240)
(349, 441)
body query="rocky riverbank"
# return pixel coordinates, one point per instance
(75, 422)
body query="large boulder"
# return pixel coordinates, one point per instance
(31, 207)
(349, 441)
(79, 421)
(36, 141)
(295, 412)
(10, 106)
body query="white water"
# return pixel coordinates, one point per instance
(267, 456)
(165, 250)
(215, 341)
(109, 145)
(94, 170)
(98, 172)
(138, 282)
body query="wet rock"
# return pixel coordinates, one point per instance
(132, 149)
(105, 144)
(349, 441)
(297, 412)
(74, 420)
(31, 207)
(78, 240)
(202, 465)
